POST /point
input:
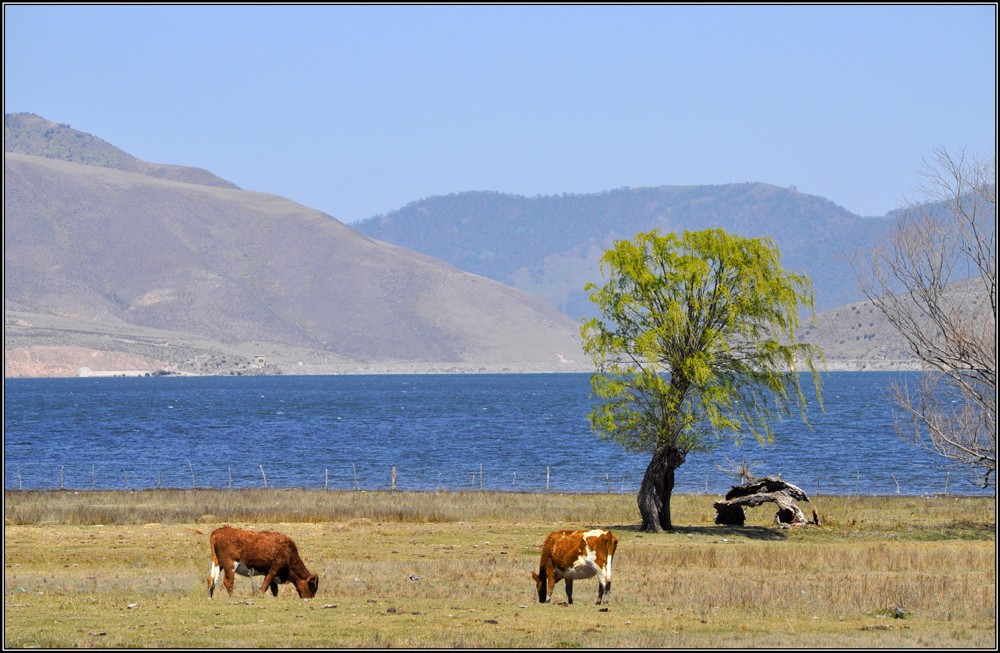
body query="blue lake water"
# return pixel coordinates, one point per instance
(512, 432)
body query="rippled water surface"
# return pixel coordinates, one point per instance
(499, 432)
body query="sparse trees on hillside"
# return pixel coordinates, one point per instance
(949, 236)
(695, 339)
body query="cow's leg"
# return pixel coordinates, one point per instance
(569, 590)
(224, 567)
(550, 575)
(603, 581)
(274, 588)
(604, 578)
(268, 580)
(229, 579)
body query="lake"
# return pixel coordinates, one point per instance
(511, 432)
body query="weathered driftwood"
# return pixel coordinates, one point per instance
(763, 490)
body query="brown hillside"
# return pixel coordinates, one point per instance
(857, 336)
(109, 247)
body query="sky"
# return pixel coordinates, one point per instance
(358, 110)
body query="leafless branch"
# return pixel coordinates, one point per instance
(934, 279)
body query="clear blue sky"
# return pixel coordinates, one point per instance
(357, 110)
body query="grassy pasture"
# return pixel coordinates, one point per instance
(127, 569)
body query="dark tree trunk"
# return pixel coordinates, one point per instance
(657, 486)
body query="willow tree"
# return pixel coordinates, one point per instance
(695, 341)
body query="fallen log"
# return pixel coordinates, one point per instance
(759, 491)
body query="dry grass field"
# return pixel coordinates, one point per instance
(414, 570)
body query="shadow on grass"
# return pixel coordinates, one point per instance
(762, 533)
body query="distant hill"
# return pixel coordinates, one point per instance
(178, 268)
(26, 133)
(550, 245)
(858, 337)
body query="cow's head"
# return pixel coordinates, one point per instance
(308, 587)
(540, 586)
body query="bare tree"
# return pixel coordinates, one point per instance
(934, 278)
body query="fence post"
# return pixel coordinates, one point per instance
(93, 477)
(191, 467)
(62, 467)
(546, 478)
(326, 479)
(230, 477)
(20, 485)
(393, 478)
(264, 475)
(481, 478)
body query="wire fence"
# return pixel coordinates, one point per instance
(241, 475)
(557, 477)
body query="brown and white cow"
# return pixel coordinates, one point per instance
(251, 553)
(572, 555)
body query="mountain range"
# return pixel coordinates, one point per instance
(115, 264)
(551, 245)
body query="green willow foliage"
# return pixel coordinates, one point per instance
(696, 336)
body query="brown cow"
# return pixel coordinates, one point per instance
(251, 553)
(572, 555)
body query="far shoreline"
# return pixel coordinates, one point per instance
(417, 369)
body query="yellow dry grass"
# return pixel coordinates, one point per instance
(127, 569)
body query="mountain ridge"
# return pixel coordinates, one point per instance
(28, 133)
(112, 263)
(551, 245)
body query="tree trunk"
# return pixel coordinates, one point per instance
(657, 486)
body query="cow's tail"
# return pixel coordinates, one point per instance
(612, 547)
(215, 571)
